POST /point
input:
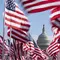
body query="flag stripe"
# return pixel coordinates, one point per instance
(18, 36)
(55, 22)
(15, 14)
(17, 20)
(38, 6)
(17, 24)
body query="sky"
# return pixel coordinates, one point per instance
(36, 20)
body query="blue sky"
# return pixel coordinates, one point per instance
(37, 20)
(1, 17)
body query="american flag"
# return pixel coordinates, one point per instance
(28, 49)
(54, 47)
(55, 17)
(19, 35)
(39, 6)
(18, 48)
(28, 46)
(16, 51)
(3, 43)
(14, 17)
(23, 58)
(3, 47)
(13, 51)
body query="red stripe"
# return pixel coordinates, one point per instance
(17, 17)
(55, 17)
(37, 4)
(39, 10)
(21, 31)
(21, 40)
(28, 1)
(19, 12)
(55, 9)
(17, 32)
(13, 21)
(19, 35)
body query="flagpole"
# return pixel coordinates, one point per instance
(3, 31)
(20, 50)
(14, 58)
(30, 47)
(3, 40)
(15, 49)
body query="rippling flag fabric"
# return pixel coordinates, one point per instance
(3, 47)
(14, 17)
(55, 17)
(17, 21)
(3, 44)
(28, 46)
(54, 47)
(39, 6)
(18, 35)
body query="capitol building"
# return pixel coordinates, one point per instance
(43, 40)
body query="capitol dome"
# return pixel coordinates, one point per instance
(43, 39)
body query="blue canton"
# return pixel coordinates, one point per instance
(10, 5)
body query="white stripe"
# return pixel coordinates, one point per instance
(49, 51)
(17, 31)
(58, 19)
(6, 47)
(55, 36)
(8, 30)
(20, 34)
(17, 9)
(56, 23)
(52, 50)
(21, 39)
(53, 46)
(55, 51)
(16, 19)
(23, 0)
(1, 41)
(54, 29)
(43, 6)
(55, 13)
(23, 16)
(15, 24)
(31, 3)
(34, 55)
(35, 2)
(12, 24)
(25, 47)
(16, 14)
